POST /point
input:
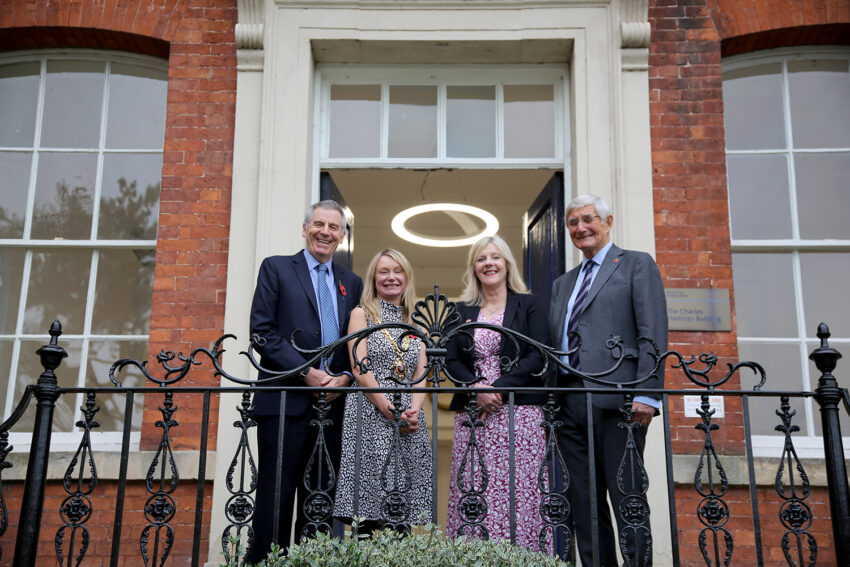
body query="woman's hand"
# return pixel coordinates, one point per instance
(489, 403)
(411, 416)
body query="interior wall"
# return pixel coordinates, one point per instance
(375, 196)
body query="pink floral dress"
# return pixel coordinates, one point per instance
(529, 453)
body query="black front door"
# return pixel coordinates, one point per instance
(544, 238)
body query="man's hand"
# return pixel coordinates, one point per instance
(317, 378)
(341, 381)
(643, 414)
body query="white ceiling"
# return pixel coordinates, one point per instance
(375, 196)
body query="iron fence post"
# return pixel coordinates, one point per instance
(46, 392)
(828, 396)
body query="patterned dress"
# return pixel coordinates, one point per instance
(376, 440)
(529, 453)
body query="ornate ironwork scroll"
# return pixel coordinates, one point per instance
(555, 507)
(160, 506)
(395, 476)
(633, 482)
(798, 544)
(76, 509)
(319, 476)
(472, 479)
(240, 507)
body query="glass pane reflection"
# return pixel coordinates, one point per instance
(471, 122)
(825, 276)
(64, 194)
(413, 121)
(355, 121)
(529, 121)
(29, 369)
(823, 194)
(136, 115)
(57, 290)
(101, 356)
(759, 183)
(73, 101)
(764, 310)
(122, 303)
(129, 196)
(820, 103)
(784, 369)
(11, 272)
(15, 173)
(5, 364)
(752, 107)
(19, 93)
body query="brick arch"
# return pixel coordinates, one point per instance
(751, 25)
(51, 37)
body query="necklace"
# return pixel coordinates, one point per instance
(399, 368)
(489, 313)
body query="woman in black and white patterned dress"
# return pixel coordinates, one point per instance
(388, 297)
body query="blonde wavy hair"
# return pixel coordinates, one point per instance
(473, 293)
(369, 300)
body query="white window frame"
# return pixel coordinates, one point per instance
(69, 440)
(441, 77)
(807, 446)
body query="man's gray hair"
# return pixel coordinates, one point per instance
(326, 204)
(602, 208)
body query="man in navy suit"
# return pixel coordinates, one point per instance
(288, 297)
(613, 293)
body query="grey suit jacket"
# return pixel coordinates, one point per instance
(625, 300)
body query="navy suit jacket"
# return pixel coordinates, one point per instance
(524, 313)
(285, 301)
(627, 300)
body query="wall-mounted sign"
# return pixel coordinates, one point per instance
(698, 309)
(692, 403)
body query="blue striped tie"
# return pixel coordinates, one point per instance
(578, 307)
(330, 329)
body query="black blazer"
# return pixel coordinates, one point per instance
(524, 313)
(284, 301)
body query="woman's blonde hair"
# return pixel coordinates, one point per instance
(473, 293)
(369, 300)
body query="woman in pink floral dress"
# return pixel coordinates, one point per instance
(495, 293)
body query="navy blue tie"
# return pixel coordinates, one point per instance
(578, 307)
(327, 314)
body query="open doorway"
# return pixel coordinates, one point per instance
(375, 196)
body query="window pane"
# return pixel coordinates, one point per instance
(11, 271)
(820, 103)
(19, 93)
(752, 108)
(63, 196)
(413, 121)
(471, 122)
(29, 369)
(122, 303)
(823, 194)
(759, 200)
(764, 295)
(355, 121)
(5, 365)
(129, 196)
(136, 115)
(57, 290)
(782, 364)
(825, 277)
(529, 121)
(101, 356)
(72, 104)
(15, 173)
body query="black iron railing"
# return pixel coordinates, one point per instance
(435, 323)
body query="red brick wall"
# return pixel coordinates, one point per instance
(197, 37)
(691, 214)
(101, 524)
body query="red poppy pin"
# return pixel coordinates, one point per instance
(342, 289)
(616, 260)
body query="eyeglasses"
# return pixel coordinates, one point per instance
(586, 219)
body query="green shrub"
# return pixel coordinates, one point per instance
(388, 549)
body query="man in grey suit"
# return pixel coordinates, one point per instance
(613, 293)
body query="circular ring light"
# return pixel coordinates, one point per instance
(491, 224)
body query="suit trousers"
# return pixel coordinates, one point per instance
(609, 441)
(299, 442)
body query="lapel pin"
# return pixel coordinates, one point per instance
(342, 289)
